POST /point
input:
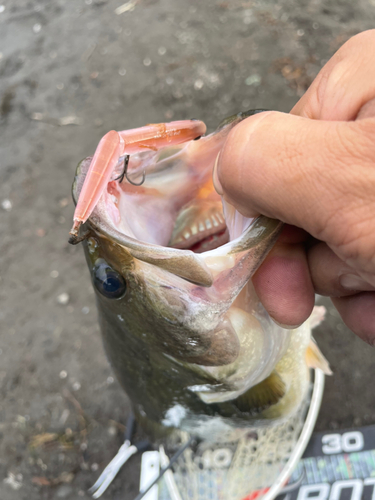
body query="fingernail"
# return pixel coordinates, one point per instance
(215, 178)
(287, 327)
(355, 283)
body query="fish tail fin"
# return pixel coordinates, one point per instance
(315, 358)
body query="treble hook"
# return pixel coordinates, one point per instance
(125, 174)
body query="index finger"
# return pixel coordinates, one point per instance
(344, 84)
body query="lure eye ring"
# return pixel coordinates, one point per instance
(107, 281)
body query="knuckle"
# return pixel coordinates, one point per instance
(352, 144)
(365, 136)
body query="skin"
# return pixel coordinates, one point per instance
(318, 177)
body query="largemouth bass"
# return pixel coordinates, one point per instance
(184, 331)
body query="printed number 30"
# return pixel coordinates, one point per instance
(347, 442)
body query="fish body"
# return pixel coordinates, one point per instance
(184, 331)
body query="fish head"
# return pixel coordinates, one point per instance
(173, 269)
(164, 310)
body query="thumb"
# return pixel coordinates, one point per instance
(315, 174)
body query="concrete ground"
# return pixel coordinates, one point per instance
(70, 70)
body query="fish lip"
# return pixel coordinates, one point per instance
(182, 263)
(200, 237)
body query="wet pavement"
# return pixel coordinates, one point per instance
(69, 72)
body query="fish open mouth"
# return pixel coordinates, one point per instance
(167, 197)
(176, 206)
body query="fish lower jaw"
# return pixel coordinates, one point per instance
(203, 241)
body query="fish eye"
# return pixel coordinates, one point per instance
(108, 281)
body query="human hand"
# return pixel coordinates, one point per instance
(314, 169)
